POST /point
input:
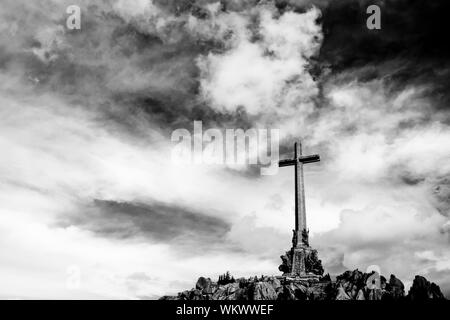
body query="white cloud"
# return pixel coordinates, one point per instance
(266, 75)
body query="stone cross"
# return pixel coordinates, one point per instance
(300, 232)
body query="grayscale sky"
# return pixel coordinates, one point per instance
(86, 177)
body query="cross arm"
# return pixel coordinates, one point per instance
(302, 159)
(286, 163)
(309, 159)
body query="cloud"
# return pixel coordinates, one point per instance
(159, 222)
(264, 66)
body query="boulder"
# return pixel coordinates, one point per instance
(240, 294)
(319, 291)
(169, 298)
(264, 291)
(196, 295)
(422, 289)
(360, 295)
(287, 293)
(226, 292)
(204, 285)
(375, 294)
(185, 295)
(300, 291)
(396, 288)
(354, 292)
(342, 295)
(276, 284)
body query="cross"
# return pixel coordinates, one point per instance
(300, 232)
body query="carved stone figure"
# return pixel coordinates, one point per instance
(286, 264)
(305, 237)
(313, 264)
(294, 238)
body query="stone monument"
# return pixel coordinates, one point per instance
(301, 262)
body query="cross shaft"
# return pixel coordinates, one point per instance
(301, 231)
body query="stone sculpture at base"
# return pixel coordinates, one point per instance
(301, 261)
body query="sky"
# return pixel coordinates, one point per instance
(88, 189)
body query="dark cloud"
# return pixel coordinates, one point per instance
(410, 48)
(140, 276)
(134, 73)
(131, 73)
(410, 29)
(159, 222)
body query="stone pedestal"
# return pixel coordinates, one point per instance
(299, 256)
(301, 262)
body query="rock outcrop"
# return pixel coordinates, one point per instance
(351, 285)
(422, 289)
(204, 285)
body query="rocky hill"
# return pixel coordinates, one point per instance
(351, 285)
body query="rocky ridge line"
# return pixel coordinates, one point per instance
(351, 285)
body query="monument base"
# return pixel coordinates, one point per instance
(299, 256)
(301, 262)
